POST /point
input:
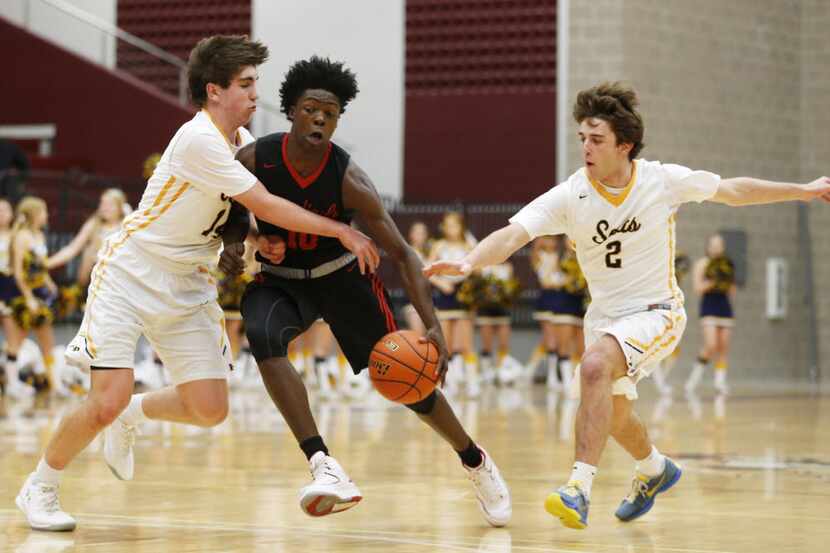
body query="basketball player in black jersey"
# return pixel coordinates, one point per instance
(317, 277)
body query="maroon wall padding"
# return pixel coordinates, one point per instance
(108, 119)
(175, 27)
(480, 100)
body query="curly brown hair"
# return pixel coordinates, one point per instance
(217, 59)
(615, 103)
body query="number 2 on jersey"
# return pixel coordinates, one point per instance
(613, 248)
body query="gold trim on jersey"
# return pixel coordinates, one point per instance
(675, 293)
(238, 137)
(617, 200)
(139, 222)
(672, 338)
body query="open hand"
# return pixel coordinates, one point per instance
(435, 336)
(448, 268)
(819, 188)
(362, 247)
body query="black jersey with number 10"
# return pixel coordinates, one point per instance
(320, 192)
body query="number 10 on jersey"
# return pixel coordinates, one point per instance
(302, 241)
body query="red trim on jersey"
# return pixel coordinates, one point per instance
(303, 182)
(377, 286)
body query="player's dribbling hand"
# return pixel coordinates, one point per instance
(362, 247)
(435, 336)
(448, 268)
(819, 188)
(232, 262)
(271, 247)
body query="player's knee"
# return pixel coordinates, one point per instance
(209, 414)
(106, 409)
(426, 405)
(594, 370)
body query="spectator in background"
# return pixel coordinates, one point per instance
(14, 168)
(456, 318)
(112, 208)
(418, 238)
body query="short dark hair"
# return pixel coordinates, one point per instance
(318, 73)
(217, 59)
(615, 103)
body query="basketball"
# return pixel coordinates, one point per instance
(402, 368)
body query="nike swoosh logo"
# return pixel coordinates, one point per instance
(583, 196)
(333, 476)
(657, 487)
(269, 165)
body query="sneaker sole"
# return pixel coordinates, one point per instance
(664, 488)
(51, 528)
(323, 505)
(568, 516)
(115, 473)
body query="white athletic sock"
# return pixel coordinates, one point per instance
(583, 473)
(134, 413)
(46, 474)
(653, 465)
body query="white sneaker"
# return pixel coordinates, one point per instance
(331, 490)
(39, 502)
(491, 491)
(119, 438)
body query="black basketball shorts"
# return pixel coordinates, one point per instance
(357, 308)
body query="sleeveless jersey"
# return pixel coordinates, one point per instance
(320, 192)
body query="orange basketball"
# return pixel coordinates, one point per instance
(403, 369)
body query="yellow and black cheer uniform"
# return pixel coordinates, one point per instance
(564, 302)
(715, 307)
(230, 290)
(35, 275)
(8, 288)
(450, 306)
(495, 291)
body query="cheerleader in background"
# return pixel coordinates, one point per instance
(8, 288)
(714, 280)
(420, 242)
(35, 292)
(544, 259)
(561, 308)
(456, 321)
(495, 295)
(682, 264)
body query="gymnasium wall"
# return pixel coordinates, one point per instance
(815, 151)
(722, 87)
(60, 28)
(107, 122)
(480, 100)
(368, 36)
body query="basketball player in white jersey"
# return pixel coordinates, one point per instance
(620, 211)
(153, 278)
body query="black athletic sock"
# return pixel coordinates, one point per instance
(472, 456)
(313, 445)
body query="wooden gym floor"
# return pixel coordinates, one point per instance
(756, 479)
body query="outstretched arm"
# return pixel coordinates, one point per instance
(494, 249)
(360, 195)
(750, 191)
(69, 251)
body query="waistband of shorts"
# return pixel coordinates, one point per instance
(305, 274)
(667, 305)
(175, 267)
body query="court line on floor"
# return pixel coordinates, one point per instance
(108, 520)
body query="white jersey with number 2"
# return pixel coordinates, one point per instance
(625, 242)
